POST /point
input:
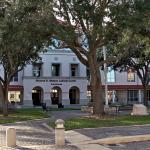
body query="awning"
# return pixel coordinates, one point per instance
(122, 87)
(15, 88)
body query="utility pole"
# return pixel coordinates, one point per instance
(105, 77)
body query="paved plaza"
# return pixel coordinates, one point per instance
(34, 135)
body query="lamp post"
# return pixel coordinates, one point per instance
(105, 77)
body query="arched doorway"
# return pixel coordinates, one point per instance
(74, 95)
(56, 95)
(37, 96)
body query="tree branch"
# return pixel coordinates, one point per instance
(79, 55)
(1, 79)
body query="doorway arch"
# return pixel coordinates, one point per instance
(37, 96)
(74, 95)
(56, 95)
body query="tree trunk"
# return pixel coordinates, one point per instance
(98, 103)
(145, 95)
(4, 96)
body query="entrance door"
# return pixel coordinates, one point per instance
(74, 95)
(56, 95)
(55, 98)
(37, 93)
(36, 99)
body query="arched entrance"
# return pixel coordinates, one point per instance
(74, 95)
(56, 95)
(37, 96)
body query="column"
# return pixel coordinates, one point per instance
(105, 77)
(140, 96)
(113, 96)
(65, 98)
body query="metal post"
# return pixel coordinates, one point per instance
(140, 97)
(105, 76)
(113, 96)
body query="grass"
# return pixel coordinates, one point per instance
(23, 115)
(62, 109)
(78, 123)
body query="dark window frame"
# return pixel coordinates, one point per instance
(57, 71)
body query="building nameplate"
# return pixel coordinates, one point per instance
(55, 80)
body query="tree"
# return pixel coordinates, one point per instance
(24, 31)
(133, 46)
(136, 55)
(86, 27)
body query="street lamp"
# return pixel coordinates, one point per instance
(105, 77)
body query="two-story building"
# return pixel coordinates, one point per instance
(59, 77)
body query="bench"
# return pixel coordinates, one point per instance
(112, 109)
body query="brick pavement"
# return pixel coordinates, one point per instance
(32, 133)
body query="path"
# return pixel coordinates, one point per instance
(32, 135)
(68, 114)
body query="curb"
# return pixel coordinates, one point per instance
(120, 139)
(17, 122)
(48, 127)
(121, 126)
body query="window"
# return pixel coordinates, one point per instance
(15, 78)
(130, 75)
(37, 70)
(148, 95)
(132, 95)
(89, 95)
(88, 73)
(74, 70)
(14, 96)
(110, 75)
(55, 69)
(148, 71)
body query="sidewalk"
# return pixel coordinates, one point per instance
(73, 137)
(32, 133)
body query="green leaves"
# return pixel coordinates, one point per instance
(25, 29)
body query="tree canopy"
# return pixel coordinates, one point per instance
(25, 30)
(97, 23)
(133, 46)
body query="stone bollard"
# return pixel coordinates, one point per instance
(11, 137)
(59, 133)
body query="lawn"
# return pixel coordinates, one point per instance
(22, 115)
(62, 109)
(77, 123)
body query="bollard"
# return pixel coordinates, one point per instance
(59, 133)
(11, 137)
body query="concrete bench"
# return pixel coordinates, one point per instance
(112, 109)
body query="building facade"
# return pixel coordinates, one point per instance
(59, 77)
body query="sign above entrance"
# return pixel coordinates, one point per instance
(55, 80)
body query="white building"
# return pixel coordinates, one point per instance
(59, 77)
